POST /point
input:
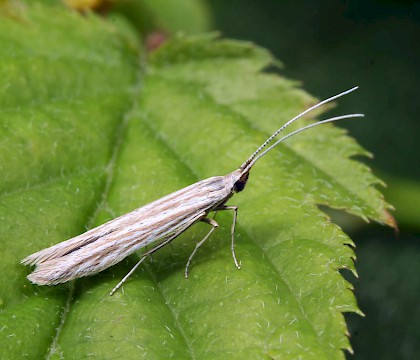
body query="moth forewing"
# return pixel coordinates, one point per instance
(108, 244)
(158, 222)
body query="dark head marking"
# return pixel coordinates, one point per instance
(240, 184)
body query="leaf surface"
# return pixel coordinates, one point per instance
(87, 134)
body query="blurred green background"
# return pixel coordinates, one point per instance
(330, 46)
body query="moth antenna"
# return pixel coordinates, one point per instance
(253, 158)
(336, 118)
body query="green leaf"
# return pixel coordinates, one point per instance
(86, 135)
(188, 16)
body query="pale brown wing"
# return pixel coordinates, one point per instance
(108, 244)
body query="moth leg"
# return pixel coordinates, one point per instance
(157, 247)
(214, 225)
(143, 256)
(126, 276)
(235, 216)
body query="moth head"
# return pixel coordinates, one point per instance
(239, 185)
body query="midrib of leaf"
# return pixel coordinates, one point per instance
(110, 168)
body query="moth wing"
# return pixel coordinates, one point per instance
(95, 256)
(70, 245)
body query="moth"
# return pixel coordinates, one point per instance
(156, 223)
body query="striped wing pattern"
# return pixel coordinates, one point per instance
(108, 244)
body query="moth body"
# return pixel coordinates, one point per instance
(159, 222)
(108, 244)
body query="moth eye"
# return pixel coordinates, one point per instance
(240, 184)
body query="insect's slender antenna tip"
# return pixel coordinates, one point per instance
(256, 155)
